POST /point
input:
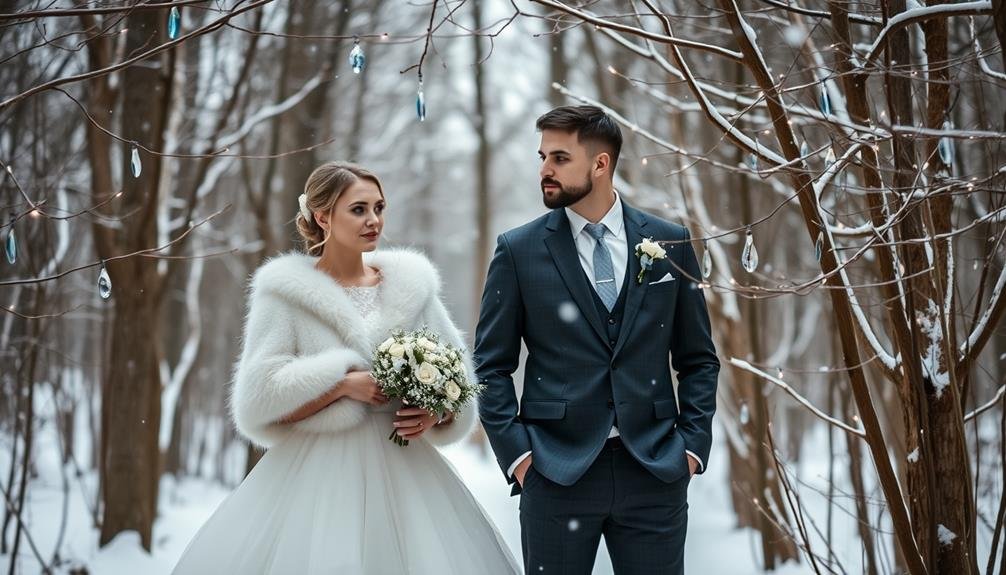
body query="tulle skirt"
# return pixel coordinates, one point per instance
(351, 503)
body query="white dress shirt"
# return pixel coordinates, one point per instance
(616, 241)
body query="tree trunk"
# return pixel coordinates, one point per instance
(132, 392)
(940, 481)
(483, 192)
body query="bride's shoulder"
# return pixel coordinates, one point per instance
(283, 272)
(406, 266)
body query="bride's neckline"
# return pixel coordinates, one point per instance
(377, 271)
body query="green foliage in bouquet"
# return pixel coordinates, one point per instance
(422, 371)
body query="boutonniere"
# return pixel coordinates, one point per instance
(648, 251)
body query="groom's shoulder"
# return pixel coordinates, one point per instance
(526, 232)
(665, 229)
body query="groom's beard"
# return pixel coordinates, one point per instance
(565, 196)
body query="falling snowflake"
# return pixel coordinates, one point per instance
(568, 312)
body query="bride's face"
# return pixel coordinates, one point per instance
(357, 219)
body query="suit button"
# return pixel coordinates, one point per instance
(611, 403)
(611, 321)
(611, 342)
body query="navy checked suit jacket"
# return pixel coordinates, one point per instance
(575, 382)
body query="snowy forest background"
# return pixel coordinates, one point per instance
(857, 146)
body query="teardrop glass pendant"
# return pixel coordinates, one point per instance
(745, 414)
(104, 283)
(946, 147)
(357, 60)
(10, 244)
(749, 257)
(819, 246)
(134, 163)
(421, 103)
(752, 161)
(824, 101)
(804, 149)
(707, 261)
(174, 22)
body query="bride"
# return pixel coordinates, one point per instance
(333, 494)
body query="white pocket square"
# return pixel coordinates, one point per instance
(667, 278)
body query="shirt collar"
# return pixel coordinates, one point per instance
(613, 220)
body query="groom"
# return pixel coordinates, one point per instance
(598, 444)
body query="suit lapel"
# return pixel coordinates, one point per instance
(635, 224)
(560, 245)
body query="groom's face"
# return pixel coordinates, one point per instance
(565, 169)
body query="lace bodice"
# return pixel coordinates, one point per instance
(365, 298)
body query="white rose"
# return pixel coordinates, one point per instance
(396, 350)
(429, 345)
(427, 374)
(453, 390)
(386, 344)
(652, 249)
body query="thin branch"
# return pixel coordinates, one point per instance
(211, 27)
(32, 14)
(909, 17)
(665, 39)
(988, 405)
(113, 258)
(740, 363)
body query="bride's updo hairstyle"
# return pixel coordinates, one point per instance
(324, 186)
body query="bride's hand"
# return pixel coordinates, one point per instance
(361, 386)
(412, 422)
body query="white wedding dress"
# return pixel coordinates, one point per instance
(352, 503)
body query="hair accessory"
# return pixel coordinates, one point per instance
(304, 211)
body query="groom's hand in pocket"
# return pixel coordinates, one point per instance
(693, 465)
(521, 470)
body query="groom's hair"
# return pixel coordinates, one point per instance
(593, 128)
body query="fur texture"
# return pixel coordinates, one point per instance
(303, 334)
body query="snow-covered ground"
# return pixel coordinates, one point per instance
(714, 546)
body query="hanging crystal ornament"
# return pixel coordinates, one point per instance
(805, 149)
(104, 283)
(174, 22)
(752, 161)
(421, 102)
(824, 101)
(946, 147)
(10, 243)
(819, 246)
(707, 261)
(749, 256)
(134, 162)
(745, 415)
(357, 60)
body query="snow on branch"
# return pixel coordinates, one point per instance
(981, 57)
(269, 112)
(597, 21)
(983, 328)
(789, 6)
(987, 405)
(740, 363)
(915, 15)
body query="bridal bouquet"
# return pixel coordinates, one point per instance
(422, 371)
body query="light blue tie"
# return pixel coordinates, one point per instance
(604, 271)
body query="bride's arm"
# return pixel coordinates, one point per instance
(272, 381)
(357, 385)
